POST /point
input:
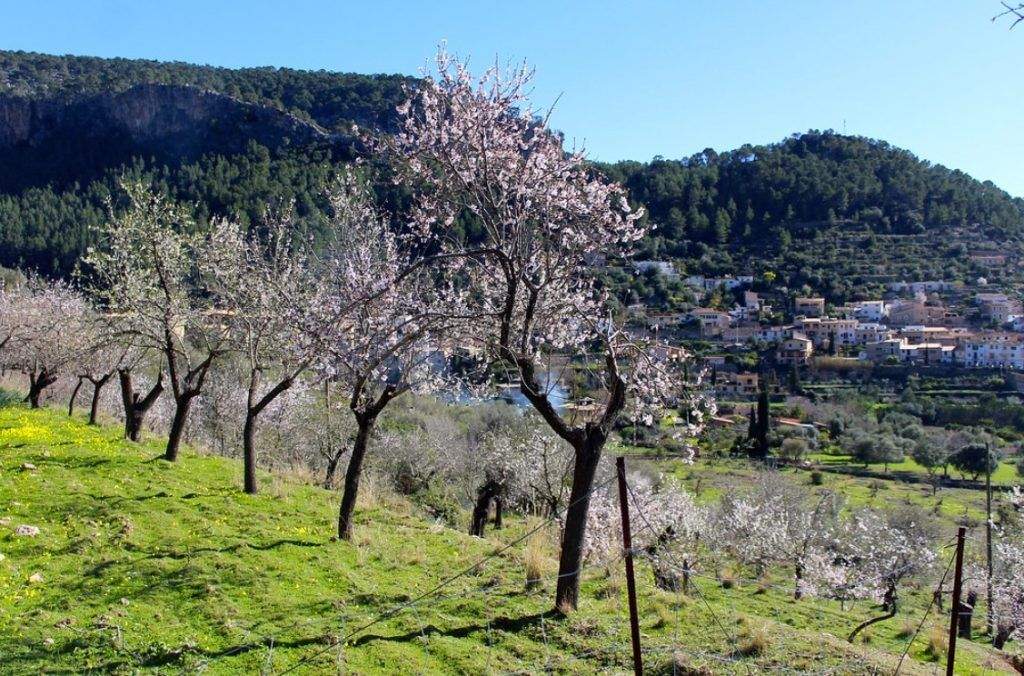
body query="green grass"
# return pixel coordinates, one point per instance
(1005, 475)
(148, 566)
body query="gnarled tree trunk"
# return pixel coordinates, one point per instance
(588, 455)
(97, 389)
(889, 603)
(364, 426)
(253, 409)
(74, 396)
(499, 509)
(182, 405)
(136, 406)
(38, 381)
(484, 496)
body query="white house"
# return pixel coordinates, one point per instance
(871, 310)
(664, 268)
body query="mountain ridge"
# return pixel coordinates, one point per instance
(233, 140)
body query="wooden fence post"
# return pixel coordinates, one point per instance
(954, 612)
(627, 543)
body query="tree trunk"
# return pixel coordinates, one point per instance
(1002, 636)
(182, 404)
(798, 574)
(249, 451)
(135, 407)
(332, 467)
(97, 388)
(499, 509)
(890, 604)
(966, 615)
(38, 383)
(352, 474)
(588, 454)
(74, 395)
(484, 495)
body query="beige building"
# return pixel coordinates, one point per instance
(809, 307)
(737, 384)
(823, 329)
(796, 349)
(712, 322)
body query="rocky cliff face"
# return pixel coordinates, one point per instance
(58, 141)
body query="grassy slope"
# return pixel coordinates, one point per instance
(157, 567)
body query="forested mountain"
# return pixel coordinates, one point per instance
(758, 193)
(333, 100)
(232, 141)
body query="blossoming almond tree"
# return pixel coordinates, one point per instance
(373, 323)
(667, 527)
(1008, 591)
(870, 557)
(253, 279)
(147, 273)
(777, 522)
(45, 335)
(537, 215)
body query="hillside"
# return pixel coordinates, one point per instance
(143, 565)
(232, 141)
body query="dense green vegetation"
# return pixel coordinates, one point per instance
(780, 191)
(332, 100)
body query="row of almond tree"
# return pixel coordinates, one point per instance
(832, 550)
(489, 456)
(391, 303)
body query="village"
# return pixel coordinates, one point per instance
(932, 324)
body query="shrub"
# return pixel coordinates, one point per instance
(793, 448)
(9, 398)
(439, 505)
(677, 664)
(817, 478)
(755, 642)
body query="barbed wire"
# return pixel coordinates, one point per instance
(924, 617)
(456, 576)
(643, 517)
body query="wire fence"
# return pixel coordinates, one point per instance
(557, 651)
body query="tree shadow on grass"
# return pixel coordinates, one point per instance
(163, 656)
(179, 555)
(511, 624)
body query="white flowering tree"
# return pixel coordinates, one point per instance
(481, 162)
(373, 322)
(146, 272)
(1008, 591)
(11, 326)
(503, 463)
(254, 277)
(45, 333)
(100, 362)
(667, 526)
(870, 557)
(777, 523)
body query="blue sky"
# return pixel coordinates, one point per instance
(636, 79)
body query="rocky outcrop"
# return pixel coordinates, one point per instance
(56, 141)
